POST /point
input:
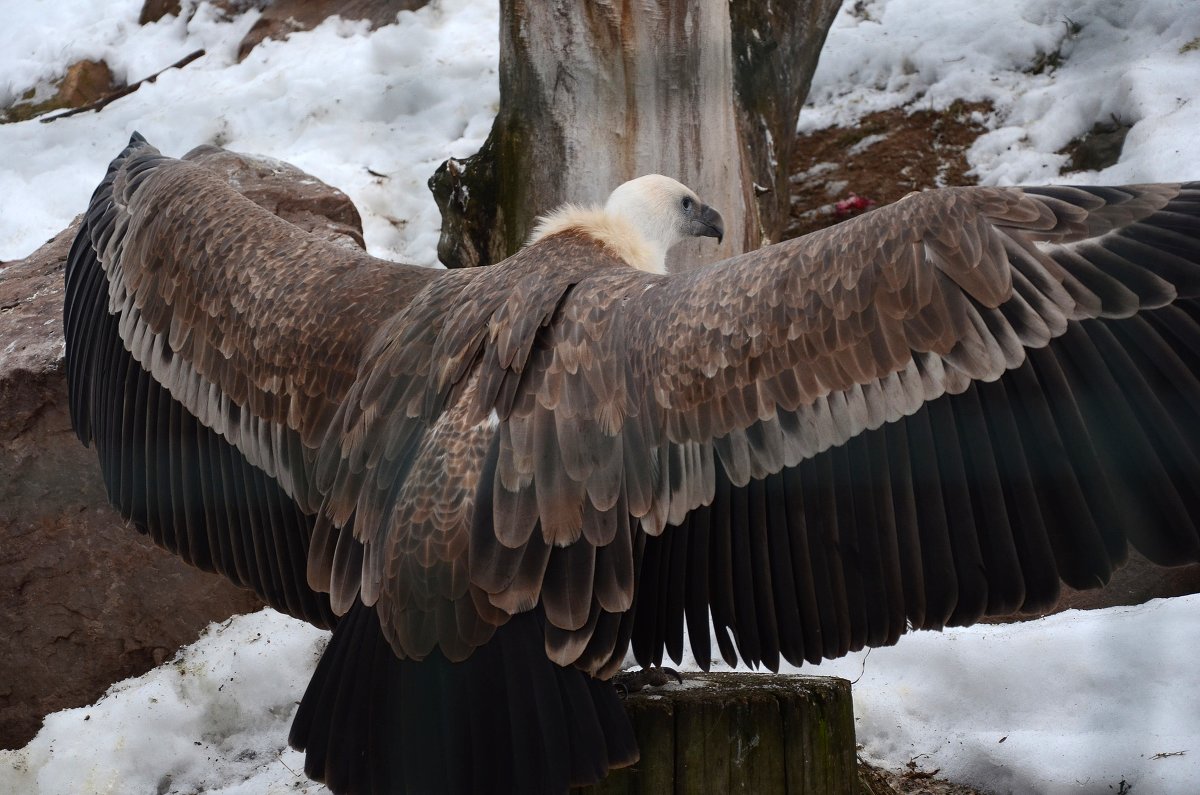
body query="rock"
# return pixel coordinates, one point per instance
(1098, 148)
(288, 192)
(72, 623)
(284, 17)
(154, 10)
(1136, 582)
(85, 82)
(86, 601)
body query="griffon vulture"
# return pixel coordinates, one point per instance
(492, 482)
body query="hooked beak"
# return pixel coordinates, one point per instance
(706, 222)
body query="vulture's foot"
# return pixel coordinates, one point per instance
(628, 682)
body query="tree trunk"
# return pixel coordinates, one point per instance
(775, 50)
(593, 94)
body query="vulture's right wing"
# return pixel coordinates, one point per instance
(928, 413)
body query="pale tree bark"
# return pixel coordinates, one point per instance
(593, 94)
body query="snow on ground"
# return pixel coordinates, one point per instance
(1074, 703)
(213, 720)
(335, 101)
(1136, 61)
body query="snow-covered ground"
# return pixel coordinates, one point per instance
(334, 101)
(1137, 62)
(1075, 703)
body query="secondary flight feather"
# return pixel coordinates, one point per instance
(494, 482)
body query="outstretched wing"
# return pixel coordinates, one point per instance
(930, 412)
(936, 410)
(209, 344)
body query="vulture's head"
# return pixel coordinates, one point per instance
(641, 220)
(666, 212)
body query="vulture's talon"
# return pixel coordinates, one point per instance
(628, 682)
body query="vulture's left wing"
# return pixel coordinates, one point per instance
(928, 413)
(209, 344)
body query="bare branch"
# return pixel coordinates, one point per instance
(129, 89)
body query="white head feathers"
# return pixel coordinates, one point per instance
(641, 221)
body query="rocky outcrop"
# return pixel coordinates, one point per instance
(1136, 582)
(288, 192)
(154, 10)
(83, 83)
(284, 17)
(84, 599)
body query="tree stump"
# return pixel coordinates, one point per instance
(735, 732)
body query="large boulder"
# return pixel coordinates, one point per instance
(83, 83)
(1136, 582)
(281, 18)
(84, 599)
(288, 192)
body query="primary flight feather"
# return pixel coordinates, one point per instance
(494, 482)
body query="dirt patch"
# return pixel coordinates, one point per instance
(910, 781)
(839, 171)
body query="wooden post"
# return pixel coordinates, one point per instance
(763, 734)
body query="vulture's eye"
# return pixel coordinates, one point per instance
(687, 202)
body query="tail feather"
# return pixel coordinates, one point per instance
(505, 720)
(584, 705)
(329, 704)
